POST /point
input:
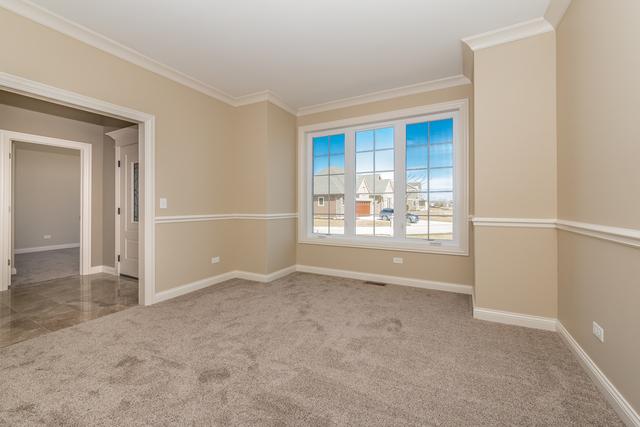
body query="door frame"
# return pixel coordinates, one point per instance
(6, 210)
(146, 149)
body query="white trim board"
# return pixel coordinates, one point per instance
(220, 217)
(508, 34)
(517, 319)
(611, 393)
(146, 129)
(96, 269)
(624, 236)
(46, 248)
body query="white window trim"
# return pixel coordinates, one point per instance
(460, 246)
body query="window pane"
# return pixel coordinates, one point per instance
(364, 214)
(336, 163)
(417, 180)
(417, 203)
(365, 183)
(364, 162)
(321, 224)
(440, 227)
(336, 204)
(383, 215)
(336, 224)
(336, 144)
(383, 182)
(441, 131)
(383, 138)
(336, 184)
(364, 140)
(384, 160)
(321, 146)
(441, 203)
(321, 204)
(417, 133)
(321, 184)
(417, 156)
(321, 165)
(441, 155)
(417, 227)
(441, 179)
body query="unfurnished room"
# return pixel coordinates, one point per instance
(304, 213)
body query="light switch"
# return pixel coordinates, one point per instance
(163, 203)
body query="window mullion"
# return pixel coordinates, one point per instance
(399, 191)
(349, 183)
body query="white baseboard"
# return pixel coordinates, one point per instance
(265, 278)
(103, 269)
(14, 271)
(611, 393)
(193, 286)
(517, 319)
(393, 280)
(47, 248)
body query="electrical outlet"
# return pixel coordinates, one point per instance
(598, 331)
(163, 203)
(47, 237)
(215, 260)
(398, 260)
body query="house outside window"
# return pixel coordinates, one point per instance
(395, 180)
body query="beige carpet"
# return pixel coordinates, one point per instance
(303, 350)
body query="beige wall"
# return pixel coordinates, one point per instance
(46, 195)
(599, 182)
(51, 124)
(515, 175)
(443, 268)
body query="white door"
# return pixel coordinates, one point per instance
(129, 210)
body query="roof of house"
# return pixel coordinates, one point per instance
(364, 184)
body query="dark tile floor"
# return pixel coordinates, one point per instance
(32, 310)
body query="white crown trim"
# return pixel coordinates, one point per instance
(413, 89)
(510, 33)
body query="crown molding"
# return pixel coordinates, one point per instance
(413, 89)
(556, 10)
(510, 33)
(265, 95)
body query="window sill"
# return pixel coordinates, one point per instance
(391, 245)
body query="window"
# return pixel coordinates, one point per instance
(396, 180)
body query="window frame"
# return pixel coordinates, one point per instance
(458, 110)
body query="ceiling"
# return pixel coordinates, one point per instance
(307, 52)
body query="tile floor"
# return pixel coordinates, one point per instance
(33, 310)
(36, 267)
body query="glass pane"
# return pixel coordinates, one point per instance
(383, 215)
(321, 224)
(136, 197)
(336, 144)
(364, 215)
(321, 165)
(336, 184)
(321, 184)
(364, 183)
(364, 162)
(336, 204)
(336, 224)
(417, 156)
(336, 163)
(441, 203)
(440, 227)
(417, 203)
(321, 204)
(441, 179)
(417, 133)
(441, 131)
(364, 140)
(441, 155)
(383, 182)
(383, 138)
(384, 160)
(321, 146)
(417, 227)
(417, 180)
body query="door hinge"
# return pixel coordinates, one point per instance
(118, 258)
(118, 211)
(9, 262)
(118, 163)
(9, 155)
